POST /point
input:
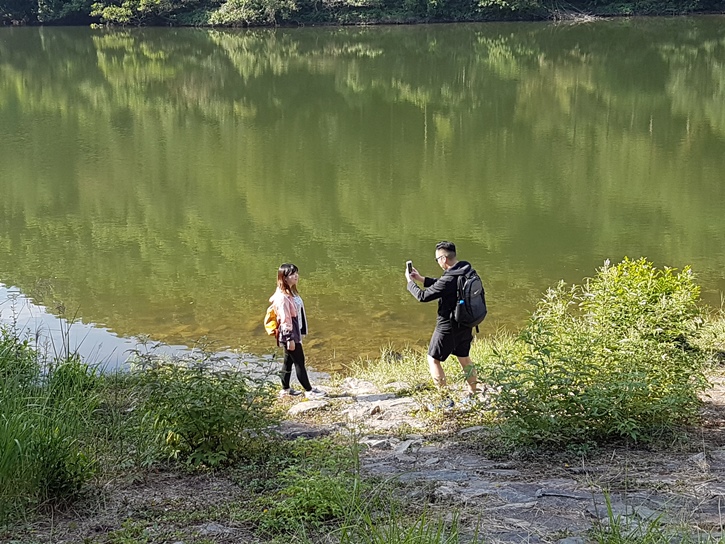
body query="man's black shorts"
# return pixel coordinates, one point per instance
(450, 341)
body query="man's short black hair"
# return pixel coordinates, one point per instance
(448, 247)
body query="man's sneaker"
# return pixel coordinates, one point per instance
(315, 393)
(468, 401)
(284, 393)
(445, 404)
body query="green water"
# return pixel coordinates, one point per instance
(152, 180)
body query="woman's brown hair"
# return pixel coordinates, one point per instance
(284, 272)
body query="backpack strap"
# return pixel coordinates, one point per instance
(460, 280)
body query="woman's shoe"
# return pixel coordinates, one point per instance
(315, 393)
(284, 393)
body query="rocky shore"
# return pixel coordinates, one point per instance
(533, 499)
(440, 462)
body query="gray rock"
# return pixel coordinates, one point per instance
(405, 458)
(392, 424)
(558, 483)
(432, 461)
(397, 402)
(523, 537)
(377, 397)
(622, 509)
(358, 412)
(572, 540)
(645, 513)
(396, 387)
(500, 472)
(563, 493)
(355, 387)
(293, 429)
(512, 496)
(436, 475)
(375, 442)
(718, 456)
(513, 506)
(474, 429)
(699, 461)
(212, 528)
(405, 446)
(717, 489)
(307, 406)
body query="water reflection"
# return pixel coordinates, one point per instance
(56, 338)
(156, 178)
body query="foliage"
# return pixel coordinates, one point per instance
(62, 422)
(139, 12)
(44, 419)
(393, 528)
(610, 358)
(18, 361)
(252, 12)
(321, 485)
(321, 491)
(649, 7)
(202, 414)
(273, 12)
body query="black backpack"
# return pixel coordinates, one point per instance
(470, 308)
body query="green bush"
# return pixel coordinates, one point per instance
(611, 358)
(202, 415)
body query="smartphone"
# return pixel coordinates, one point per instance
(409, 265)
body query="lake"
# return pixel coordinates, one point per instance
(152, 180)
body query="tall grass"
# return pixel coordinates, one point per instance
(407, 370)
(61, 422)
(44, 418)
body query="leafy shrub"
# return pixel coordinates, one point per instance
(610, 358)
(204, 416)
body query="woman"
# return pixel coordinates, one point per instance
(292, 322)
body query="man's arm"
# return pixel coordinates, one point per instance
(434, 289)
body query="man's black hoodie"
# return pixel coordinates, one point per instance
(444, 289)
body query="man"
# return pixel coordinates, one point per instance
(448, 337)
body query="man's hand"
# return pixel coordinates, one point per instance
(290, 345)
(414, 275)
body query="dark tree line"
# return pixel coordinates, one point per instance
(291, 12)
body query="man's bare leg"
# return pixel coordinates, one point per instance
(436, 372)
(469, 371)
